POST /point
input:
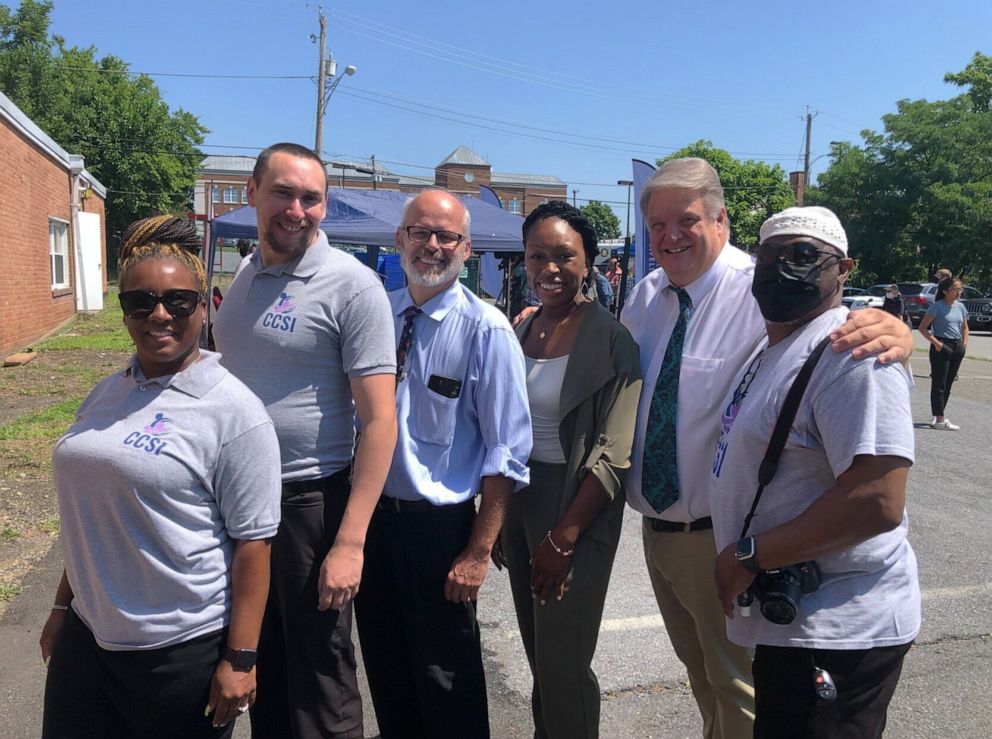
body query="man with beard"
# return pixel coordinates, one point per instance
(831, 522)
(464, 430)
(307, 328)
(696, 323)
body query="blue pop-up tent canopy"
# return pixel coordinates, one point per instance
(371, 217)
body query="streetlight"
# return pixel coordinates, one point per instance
(626, 249)
(328, 69)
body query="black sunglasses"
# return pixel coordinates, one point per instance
(801, 253)
(140, 304)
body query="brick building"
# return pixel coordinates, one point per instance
(220, 187)
(52, 233)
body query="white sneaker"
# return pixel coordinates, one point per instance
(945, 425)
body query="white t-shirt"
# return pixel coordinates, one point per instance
(869, 596)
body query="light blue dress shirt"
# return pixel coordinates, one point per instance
(446, 445)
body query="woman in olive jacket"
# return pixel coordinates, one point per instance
(561, 532)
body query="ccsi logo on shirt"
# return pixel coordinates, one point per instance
(279, 317)
(149, 439)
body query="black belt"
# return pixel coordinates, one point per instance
(674, 527)
(397, 505)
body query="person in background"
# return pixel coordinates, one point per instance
(894, 303)
(168, 486)
(307, 328)
(945, 326)
(561, 532)
(464, 432)
(604, 291)
(942, 274)
(614, 274)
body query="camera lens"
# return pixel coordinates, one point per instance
(779, 609)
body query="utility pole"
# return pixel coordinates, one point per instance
(809, 132)
(321, 83)
(375, 177)
(574, 193)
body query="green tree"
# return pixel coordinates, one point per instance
(753, 190)
(604, 220)
(145, 155)
(919, 195)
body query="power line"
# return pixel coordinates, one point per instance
(98, 70)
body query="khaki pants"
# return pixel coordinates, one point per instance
(681, 567)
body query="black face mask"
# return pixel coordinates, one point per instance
(785, 291)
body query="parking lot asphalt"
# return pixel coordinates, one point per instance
(944, 688)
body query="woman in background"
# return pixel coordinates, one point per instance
(948, 341)
(561, 532)
(169, 488)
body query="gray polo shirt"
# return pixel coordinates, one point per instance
(156, 479)
(295, 334)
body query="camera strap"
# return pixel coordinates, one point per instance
(769, 465)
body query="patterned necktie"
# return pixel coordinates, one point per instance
(406, 340)
(659, 476)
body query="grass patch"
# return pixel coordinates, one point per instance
(45, 425)
(51, 526)
(103, 331)
(9, 533)
(8, 592)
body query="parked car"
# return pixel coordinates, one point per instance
(979, 309)
(873, 297)
(917, 297)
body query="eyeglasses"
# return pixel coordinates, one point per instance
(801, 253)
(421, 235)
(140, 304)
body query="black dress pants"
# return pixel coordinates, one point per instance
(422, 652)
(944, 366)
(307, 682)
(160, 693)
(786, 705)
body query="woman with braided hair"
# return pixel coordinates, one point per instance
(168, 489)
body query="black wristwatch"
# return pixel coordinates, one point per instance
(745, 555)
(242, 660)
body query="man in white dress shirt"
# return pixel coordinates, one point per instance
(696, 323)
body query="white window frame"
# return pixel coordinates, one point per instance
(244, 194)
(215, 194)
(58, 251)
(515, 206)
(231, 195)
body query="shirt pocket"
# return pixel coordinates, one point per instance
(434, 418)
(699, 382)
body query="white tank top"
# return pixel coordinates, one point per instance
(544, 381)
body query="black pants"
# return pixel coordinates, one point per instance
(944, 366)
(149, 693)
(422, 652)
(786, 705)
(307, 683)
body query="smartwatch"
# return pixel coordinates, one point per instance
(745, 555)
(242, 660)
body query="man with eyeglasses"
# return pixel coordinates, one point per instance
(307, 328)
(464, 431)
(827, 581)
(696, 324)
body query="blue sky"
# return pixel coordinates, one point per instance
(568, 89)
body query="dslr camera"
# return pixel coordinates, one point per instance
(779, 591)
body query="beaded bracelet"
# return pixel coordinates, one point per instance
(562, 552)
